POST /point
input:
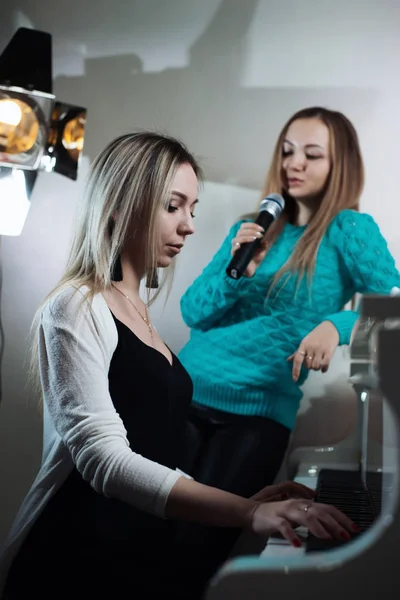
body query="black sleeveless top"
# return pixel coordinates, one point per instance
(151, 396)
(81, 527)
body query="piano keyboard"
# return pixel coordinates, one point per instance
(344, 490)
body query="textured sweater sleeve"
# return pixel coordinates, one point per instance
(213, 293)
(367, 258)
(74, 358)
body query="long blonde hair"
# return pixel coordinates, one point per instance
(343, 188)
(129, 182)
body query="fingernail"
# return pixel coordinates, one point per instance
(355, 528)
(344, 535)
(297, 543)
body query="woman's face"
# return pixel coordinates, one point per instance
(176, 222)
(306, 158)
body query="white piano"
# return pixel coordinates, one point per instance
(369, 565)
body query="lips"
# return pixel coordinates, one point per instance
(293, 182)
(175, 247)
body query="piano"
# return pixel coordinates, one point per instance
(364, 482)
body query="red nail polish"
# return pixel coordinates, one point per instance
(297, 543)
(355, 528)
(344, 535)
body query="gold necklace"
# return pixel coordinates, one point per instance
(145, 319)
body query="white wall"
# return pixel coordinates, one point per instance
(223, 76)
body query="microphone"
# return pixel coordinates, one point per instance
(270, 209)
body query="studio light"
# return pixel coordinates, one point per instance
(37, 132)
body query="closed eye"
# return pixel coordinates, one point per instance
(286, 153)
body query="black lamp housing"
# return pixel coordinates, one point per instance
(37, 132)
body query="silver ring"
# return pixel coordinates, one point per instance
(302, 352)
(307, 508)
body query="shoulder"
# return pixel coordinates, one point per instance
(65, 303)
(75, 307)
(351, 230)
(353, 222)
(358, 235)
(69, 302)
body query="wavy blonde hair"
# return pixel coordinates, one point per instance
(342, 190)
(129, 182)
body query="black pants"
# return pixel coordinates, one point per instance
(237, 454)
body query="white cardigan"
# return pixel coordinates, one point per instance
(81, 425)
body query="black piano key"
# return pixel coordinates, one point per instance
(346, 491)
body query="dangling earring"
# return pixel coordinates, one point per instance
(116, 268)
(152, 279)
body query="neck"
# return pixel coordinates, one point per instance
(305, 211)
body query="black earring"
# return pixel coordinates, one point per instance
(152, 279)
(116, 270)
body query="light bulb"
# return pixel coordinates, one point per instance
(10, 113)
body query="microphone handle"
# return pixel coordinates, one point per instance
(243, 256)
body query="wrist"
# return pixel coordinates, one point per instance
(250, 516)
(235, 283)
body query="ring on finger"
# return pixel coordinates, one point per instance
(307, 507)
(302, 352)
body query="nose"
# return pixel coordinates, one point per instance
(298, 161)
(186, 226)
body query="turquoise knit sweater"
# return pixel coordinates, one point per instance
(240, 341)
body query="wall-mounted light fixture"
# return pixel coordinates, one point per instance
(37, 132)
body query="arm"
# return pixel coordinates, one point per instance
(367, 258)
(213, 293)
(193, 501)
(75, 348)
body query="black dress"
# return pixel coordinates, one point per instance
(85, 545)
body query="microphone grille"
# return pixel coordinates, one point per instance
(275, 198)
(274, 204)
